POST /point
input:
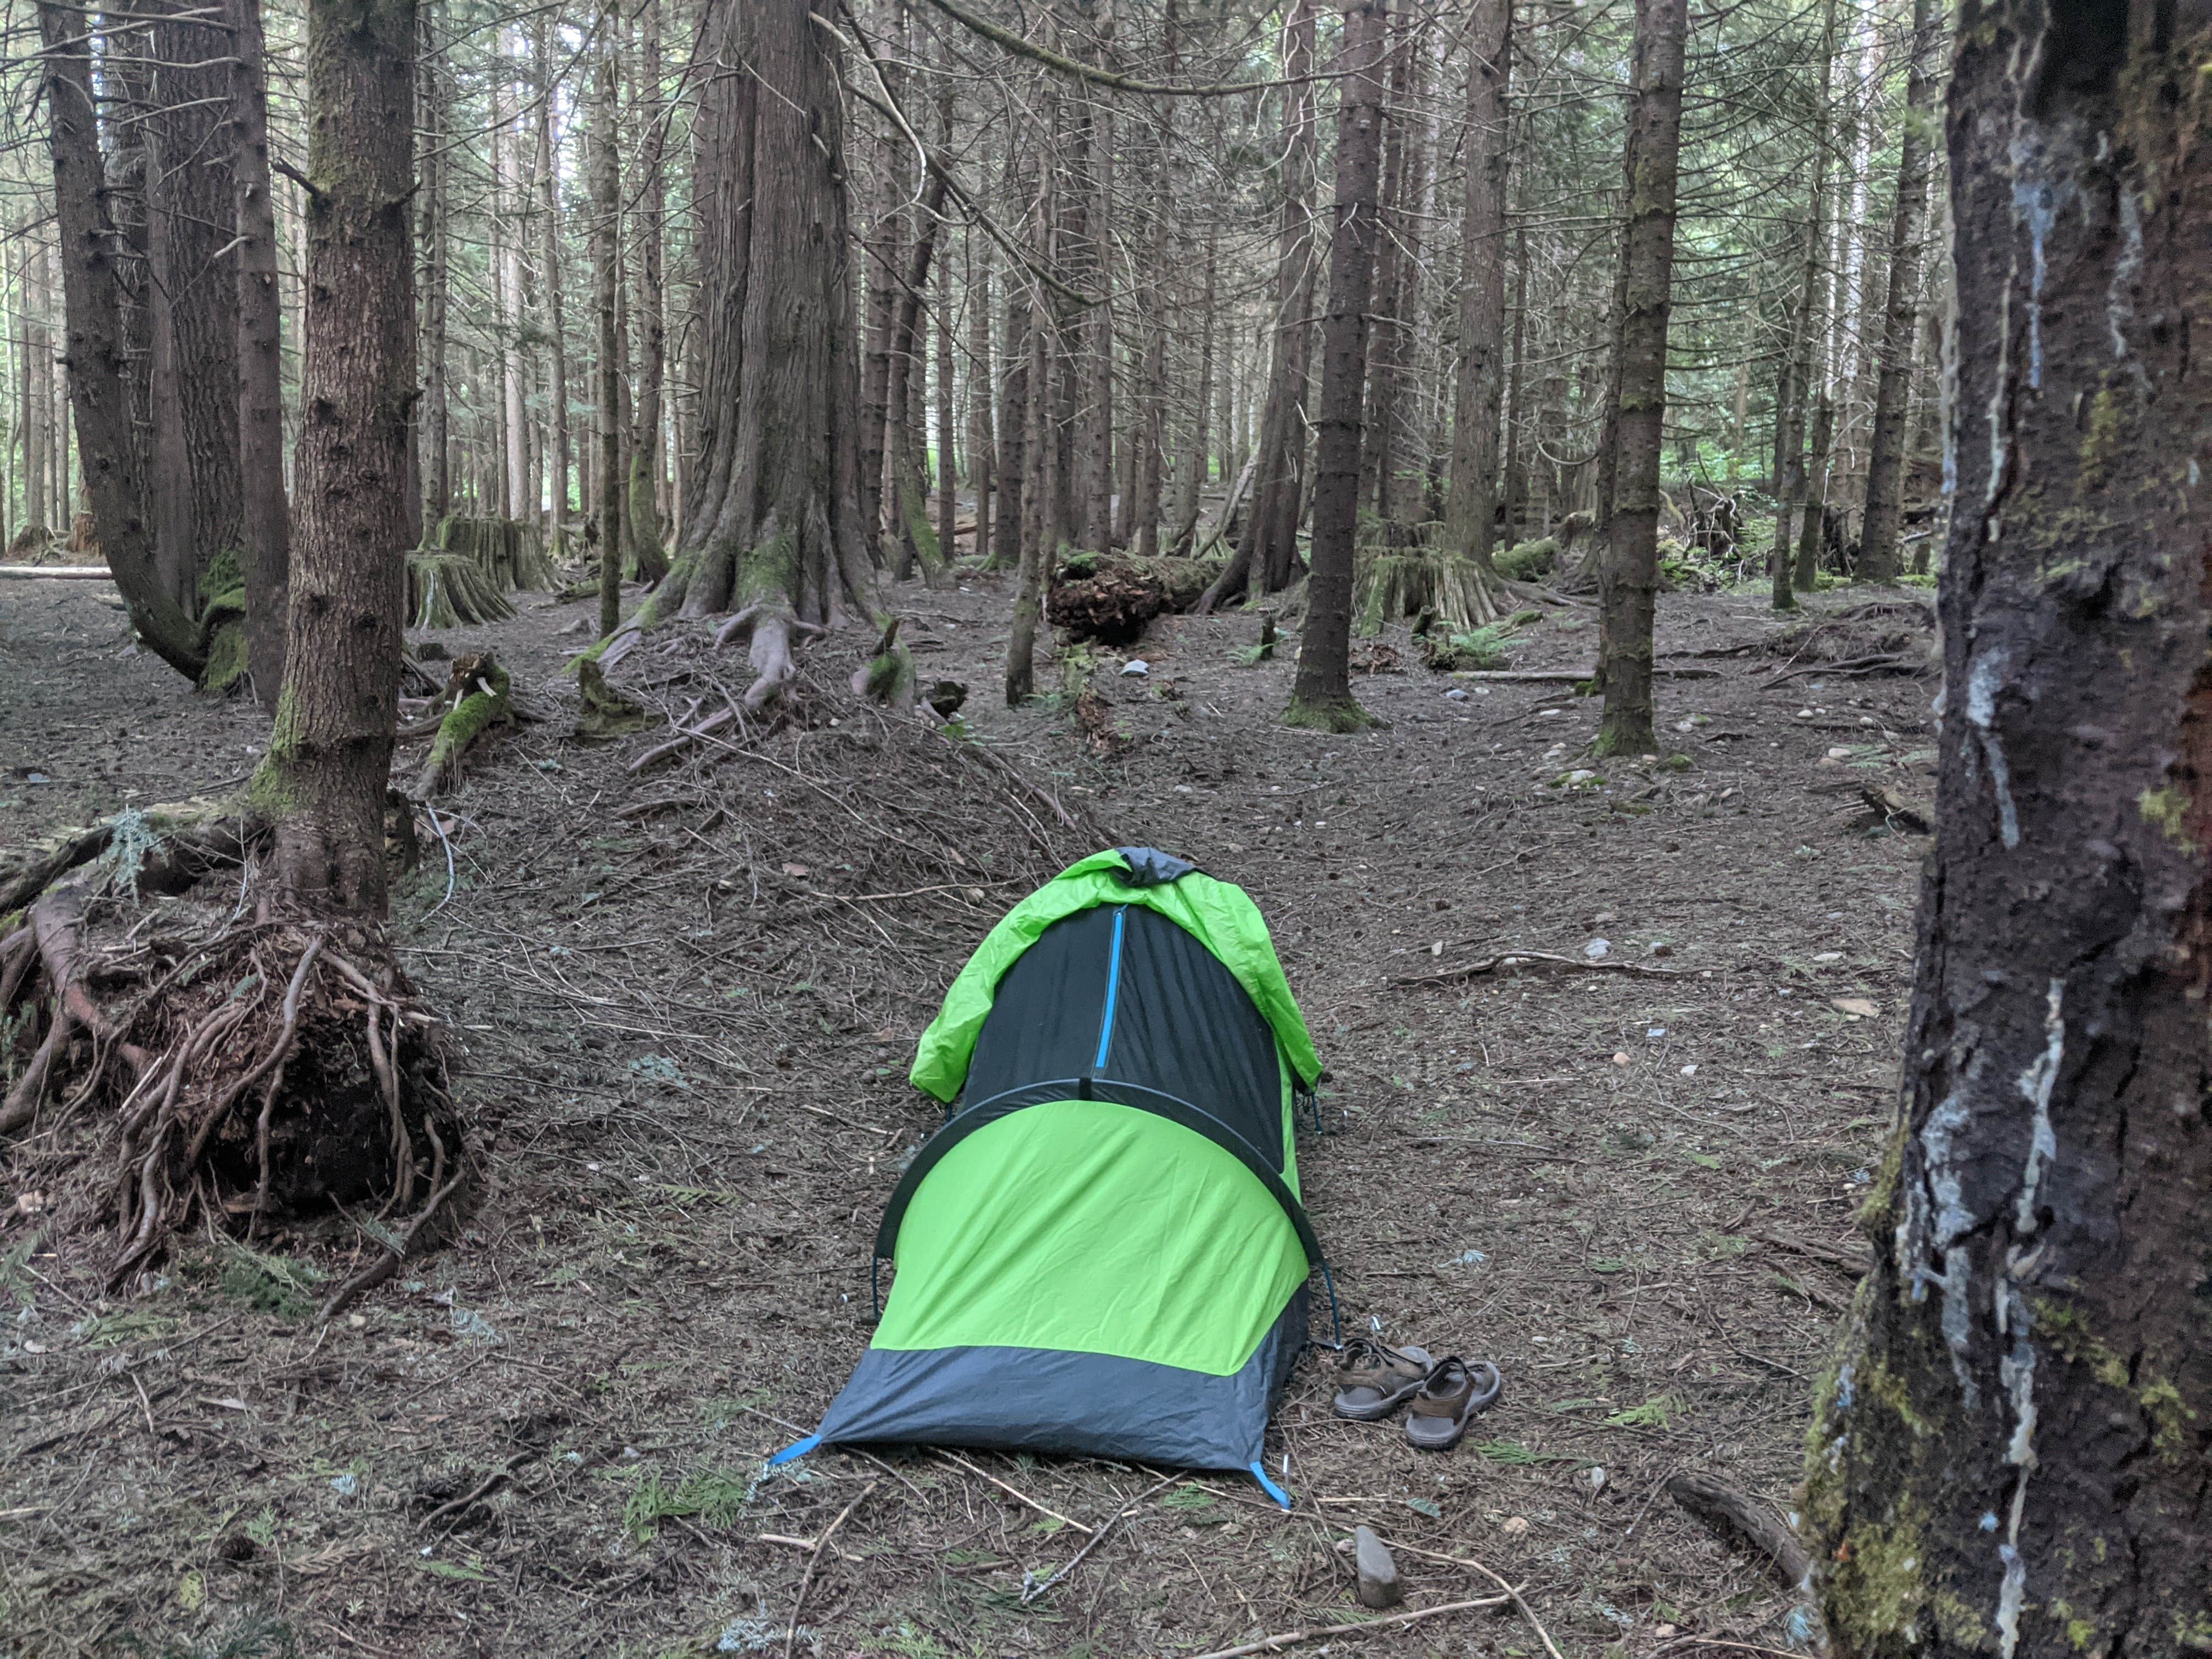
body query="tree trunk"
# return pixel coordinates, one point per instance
(437, 468)
(1322, 696)
(1812, 492)
(606, 220)
(266, 549)
(778, 528)
(1199, 462)
(1879, 529)
(2010, 1455)
(1011, 535)
(324, 777)
(1029, 587)
(909, 494)
(948, 471)
(1472, 516)
(1631, 560)
(557, 338)
(1266, 558)
(1390, 338)
(646, 550)
(982, 443)
(197, 209)
(98, 367)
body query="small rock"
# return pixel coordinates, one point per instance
(1457, 694)
(1136, 666)
(1620, 1057)
(1515, 1525)
(1858, 1007)
(1379, 1585)
(1597, 949)
(1593, 1479)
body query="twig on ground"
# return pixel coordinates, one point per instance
(385, 1266)
(1498, 1578)
(1013, 1492)
(1537, 960)
(1034, 1592)
(448, 846)
(1361, 1627)
(821, 1548)
(483, 1488)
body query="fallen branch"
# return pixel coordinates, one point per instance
(1538, 959)
(1495, 1577)
(1854, 1263)
(1014, 1492)
(483, 1489)
(820, 1548)
(59, 573)
(1572, 676)
(381, 1269)
(1737, 1517)
(1360, 1627)
(1034, 1592)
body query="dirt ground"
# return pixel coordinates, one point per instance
(686, 999)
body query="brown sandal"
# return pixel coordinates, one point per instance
(1377, 1380)
(1447, 1401)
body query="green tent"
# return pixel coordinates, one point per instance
(1103, 1251)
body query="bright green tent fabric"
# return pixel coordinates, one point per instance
(1155, 1221)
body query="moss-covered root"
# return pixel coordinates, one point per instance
(1332, 715)
(888, 676)
(605, 713)
(483, 701)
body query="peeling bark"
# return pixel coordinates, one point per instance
(2010, 1456)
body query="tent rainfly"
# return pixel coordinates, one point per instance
(1102, 1251)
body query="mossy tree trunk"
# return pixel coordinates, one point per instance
(1629, 576)
(2011, 1455)
(1322, 696)
(323, 782)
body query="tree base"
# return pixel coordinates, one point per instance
(1339, 717)
(191, 1066)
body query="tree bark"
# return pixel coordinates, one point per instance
(606, 220)
(265, 549)
(1267, 556)
(910, 496)
(1632, 560)
(982, 443)
(1471, 523)
(1812, 491)
(195, 208)
(436, 422)
(98, 367)
(1321, 695)
(325, 775)
(778, 523)
(1878, 528)
(557, 338)
(647, 551)
(2010, 1456)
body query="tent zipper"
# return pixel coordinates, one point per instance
(1112, 985)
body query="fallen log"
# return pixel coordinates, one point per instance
(59, 573)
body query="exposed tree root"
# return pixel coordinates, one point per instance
(181, 1061)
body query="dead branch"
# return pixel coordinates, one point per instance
(1540, 959)
(1737, 1517)
(1362, 1627)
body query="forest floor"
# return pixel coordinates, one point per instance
(686, 999)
